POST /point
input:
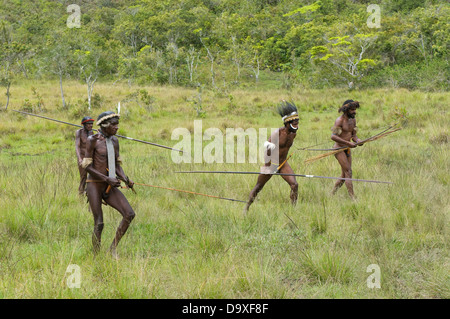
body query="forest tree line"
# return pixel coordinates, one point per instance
(315, 44)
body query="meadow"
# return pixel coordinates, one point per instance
(189, 246)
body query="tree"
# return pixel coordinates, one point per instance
(9, 52)
(237, 55)
(172, 54)
(430, 34)
(191, 59)
(211, 56)
(129, 67)
(129, 29)
(88, 63)
(252, 56)
(58, 58)
(345, 56)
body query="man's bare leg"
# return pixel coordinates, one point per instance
(346, 165)
(93, 192)
(262, 180)
(118, 201)
(286, 169)
(338, 184)
(96, 237)
(121, 230)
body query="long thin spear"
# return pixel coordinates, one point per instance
(189, 192)
(286, 174)
(125, 137)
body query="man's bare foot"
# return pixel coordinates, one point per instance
(113, 252)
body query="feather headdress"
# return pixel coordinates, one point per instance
(288, 112)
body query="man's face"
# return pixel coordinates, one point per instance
(351, 113)
(88, 126)
(113, 127)
(293, 126)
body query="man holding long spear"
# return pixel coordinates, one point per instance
(102, 162)
(343, 133)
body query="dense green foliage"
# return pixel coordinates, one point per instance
(228, 43)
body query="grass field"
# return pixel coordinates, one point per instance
(186, 246)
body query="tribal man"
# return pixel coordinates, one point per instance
(80, 146)
(343, 133)
(103, 163)
(276, 153)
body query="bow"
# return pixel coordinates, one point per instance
(384, 133)
(345, 147)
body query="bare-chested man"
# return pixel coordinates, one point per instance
(277, 149)
(81, 137)
(344, 132)
(103, 163)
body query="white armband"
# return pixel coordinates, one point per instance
(269, 146)
(86, 162)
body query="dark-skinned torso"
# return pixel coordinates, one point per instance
(82, 136)
(286, 139)
(348, 126)
(99, 152)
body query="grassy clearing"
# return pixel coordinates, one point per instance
(186, 246)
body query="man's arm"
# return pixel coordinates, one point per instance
(355, 138)
(270, 151)
(78, 146)
(337, 131)
(88, 160)
(273, 147)
(119, 170)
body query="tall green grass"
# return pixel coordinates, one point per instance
(186, 246)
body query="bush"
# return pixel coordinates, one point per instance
(432, 76)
